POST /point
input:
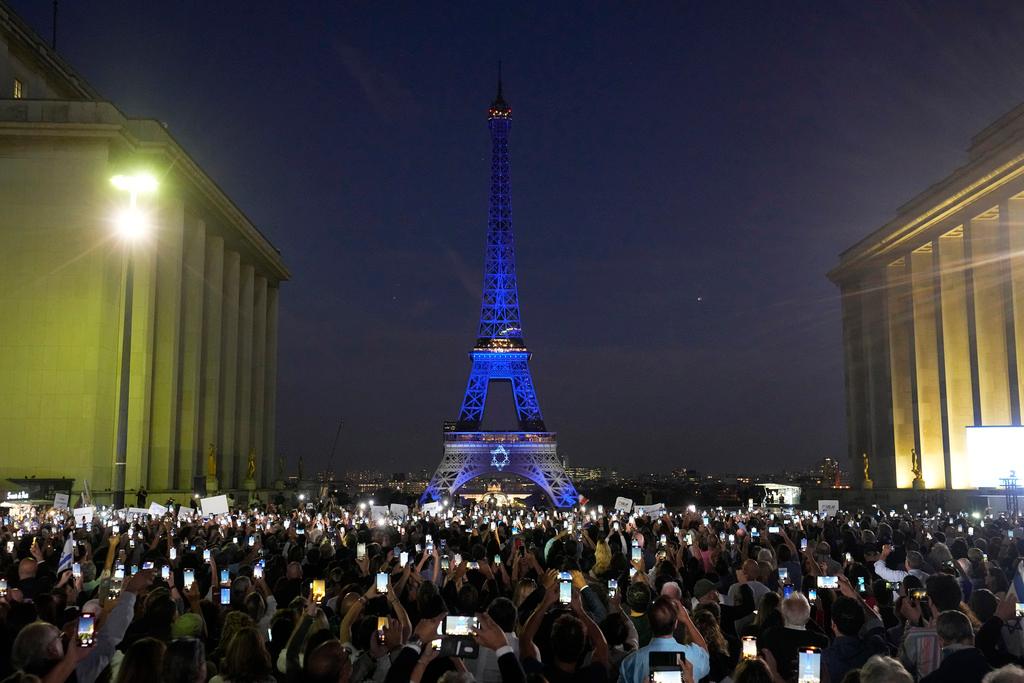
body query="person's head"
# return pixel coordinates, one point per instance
(662, 617)
(523, 590)
(638, 596)
(671, 589)
(914, 560)
(328, 663)
(847, 616)
(567, 639)
(615, 628)
(1011, 673)
(954, 628)
(36, 648)
(245, 657)
(795, 611)
(185, 662)
(707, 624)
(944, 592)
(983, 604)
(706, 591)
(751, 570)
(27, 569)
(769, 604)
(504, 614)
(143, 662)
(822, 551)
(881, 669)
(752, 671)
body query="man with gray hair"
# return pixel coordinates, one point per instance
(912, 566)
(961, 661)
(796, 633)
(1011, 673)
(881, 669)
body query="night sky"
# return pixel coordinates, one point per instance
(683, 176)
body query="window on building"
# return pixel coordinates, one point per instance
(19, 89)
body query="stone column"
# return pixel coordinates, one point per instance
(989, 321)
(229, 369)
(213, 306)
(194, 271)
(259, 367)
(1015, 228)
(270, 392)
(901, 350)
(243, 423)
(926, 356)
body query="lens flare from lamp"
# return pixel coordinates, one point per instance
(131, 223)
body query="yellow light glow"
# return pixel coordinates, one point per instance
(132, 223)
(139, 183)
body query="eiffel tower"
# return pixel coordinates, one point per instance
(500, 354)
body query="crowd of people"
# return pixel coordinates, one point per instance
(509, 595)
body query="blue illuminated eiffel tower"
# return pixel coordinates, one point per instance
(500, 354)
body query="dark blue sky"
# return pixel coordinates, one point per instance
(684, 174)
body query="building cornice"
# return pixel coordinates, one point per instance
(102, 120)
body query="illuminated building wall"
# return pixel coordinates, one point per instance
(933, 319)
(203, 362)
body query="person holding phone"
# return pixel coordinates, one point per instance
(797, 632)
(665, 615)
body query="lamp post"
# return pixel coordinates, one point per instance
(131, 225)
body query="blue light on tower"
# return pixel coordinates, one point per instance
(500, 354)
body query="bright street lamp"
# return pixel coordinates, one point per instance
(131, 224)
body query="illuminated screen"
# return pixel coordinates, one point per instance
(992, 453)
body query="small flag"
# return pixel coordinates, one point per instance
(583, 500)
(67, 555)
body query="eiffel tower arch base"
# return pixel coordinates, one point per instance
(533, 455)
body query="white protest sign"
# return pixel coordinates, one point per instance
(60, 500)
(655, 509)
(623, 504)
(828, 508)
(185, 512)
(214, 505)
(378, 511)
(137, 511)
(399, 511)
(431, 509)
(157, 510)
(84, 515)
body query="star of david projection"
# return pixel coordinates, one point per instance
(499, 458)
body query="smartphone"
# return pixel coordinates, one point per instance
(173, 554)
(119, 572)
(849, 557)
(803, 544)
(497, 559)
(360, 551)
(165, 572)
(773, 529)
(206, 555)
(1020, 610)
(1009, 533)
(403, 559)
(10, 547)
(382, 582)
(919, 594)
(188, 578)
(565, 592)
(812, 594)
(257, 571)
(862, 584)
(749, 647)
(225, 577)
(317, 590)
(135, 569)
(636, 554)
(613, 587)
(87, 629)
(382, 627)
(76, 570)
(615, 525)
(787, 590)
(461, 626)
(147, 565)
(828, 582)
(445, 563)
(225, 596)
(3, 588)
(809, 666)
(252, 541)
(783, 574)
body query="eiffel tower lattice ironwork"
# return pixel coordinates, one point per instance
(500, 354)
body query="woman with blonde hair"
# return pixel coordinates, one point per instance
(602, 559)
(246, 659)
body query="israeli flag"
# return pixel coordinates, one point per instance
(67, 556)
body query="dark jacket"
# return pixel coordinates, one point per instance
(961, 665)
(847, 653)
